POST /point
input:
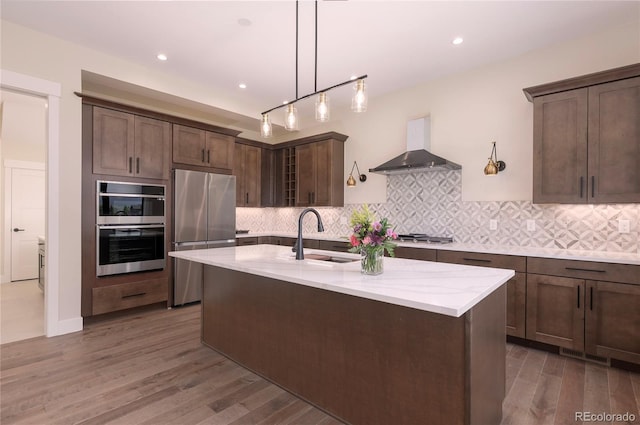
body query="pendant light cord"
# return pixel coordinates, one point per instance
(315, 81)
(296, 49)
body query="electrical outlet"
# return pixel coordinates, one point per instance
(531, 225)
(493, 224)
(623, 226)
(343, 220)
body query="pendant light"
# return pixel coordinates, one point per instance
(291, 121)
(322, 107)
(359, 99)
(291, 118)
(265, 128)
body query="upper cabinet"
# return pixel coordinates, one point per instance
(247, 169)
(129, 145)
(193, 146)
(319, 172)
(586, 138)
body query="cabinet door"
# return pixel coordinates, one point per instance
(189, 145)
(219, 151)
(555, 310)
(560, 147)
(113, 142)
(324, 170)
(613, 320)
(516, 305)
(305, 175)
(614, 141)
(247, 169)
(152, 144)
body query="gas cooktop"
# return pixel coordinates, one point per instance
(422, 237)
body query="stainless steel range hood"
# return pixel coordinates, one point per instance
(417, 158)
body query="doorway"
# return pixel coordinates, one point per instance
(23, 138)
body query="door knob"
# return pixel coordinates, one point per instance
(15, 229)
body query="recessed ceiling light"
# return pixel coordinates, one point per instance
(242, 85)
(244, 22)
(162, 57)
(457, 40)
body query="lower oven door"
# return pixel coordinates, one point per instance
(129, 248)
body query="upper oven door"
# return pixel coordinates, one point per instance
(129, 203)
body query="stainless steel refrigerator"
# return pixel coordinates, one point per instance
(204, 217)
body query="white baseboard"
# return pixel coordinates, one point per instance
(67, 326)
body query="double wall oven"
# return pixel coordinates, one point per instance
(130, 227)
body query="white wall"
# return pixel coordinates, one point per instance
(468, 111)
(471, 109)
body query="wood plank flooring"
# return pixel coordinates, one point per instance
(150, 368)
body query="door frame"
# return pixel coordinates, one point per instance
(9, 166)
(52, 92)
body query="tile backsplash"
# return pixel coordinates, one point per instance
(432, 203)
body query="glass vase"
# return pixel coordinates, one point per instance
(371, 262)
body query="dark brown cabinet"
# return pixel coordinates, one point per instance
(193, 146)
(249, 240)
(129, 145)
(586, 138)
(247, 169)
(415, 253)
(320, 174)
(570, 305)
(516, 286)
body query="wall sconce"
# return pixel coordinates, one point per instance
(494, 166)
(351, 182)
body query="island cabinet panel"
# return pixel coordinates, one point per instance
(586, 138)
(125, 144)
(363, 361)
(516, 286)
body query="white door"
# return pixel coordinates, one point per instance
(27, 221)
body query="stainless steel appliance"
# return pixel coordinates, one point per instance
(41, 252)
(130, 227)
(204, 217)
(129, 203)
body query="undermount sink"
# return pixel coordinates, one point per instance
(329, 258)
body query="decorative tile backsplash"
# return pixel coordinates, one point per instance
(432, 203)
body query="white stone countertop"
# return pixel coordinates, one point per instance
(555, 253)
(448, 289)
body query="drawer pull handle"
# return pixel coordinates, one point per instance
(593, 186)
(578, 269)
(480, 260)
(140, 294)
(578, 298)
(591, 298)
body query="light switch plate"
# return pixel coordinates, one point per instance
(531, 225)
(623, 226)
(493, 224)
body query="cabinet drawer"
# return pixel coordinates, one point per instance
(334, 246)
(252, 240)
(129, 295)
(423, 254)
(512, 262)
(590, 270)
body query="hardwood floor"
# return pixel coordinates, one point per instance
(150, 368)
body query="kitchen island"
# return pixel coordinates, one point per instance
(423, 343)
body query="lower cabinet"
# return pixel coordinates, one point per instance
(128, 295)
(334, 246)
(580, 311)
(415, 253)
(250, 240)
(516, 286)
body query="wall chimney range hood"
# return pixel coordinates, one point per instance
(417, 158)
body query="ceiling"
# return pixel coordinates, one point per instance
(398, 44)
